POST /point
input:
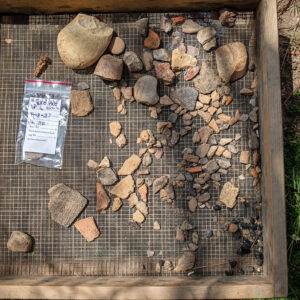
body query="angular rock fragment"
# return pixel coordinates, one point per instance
(207, 38)
(202, 150)
(19, 242)
(130, 165)
(161, 54)
(227, 17)
(179, 234)
(229, 194)
(117, 203)
(211, 166)
(205, 116)
(194, 170)
(127, 92)
(145, 90)
(253, 141)
(244, 157)
(164, 72)
(116, 45)
(165, 101)
(185, 262)
(107, 176)
(191, 158)
(190, 26)
(105, 163)
(204, 99)
(109, 68)
(232, 61)
(115, 128)
(152, 41)
(156, 225)
(121, 140)
(142, 207)
(225, 141)
(88, 228)
(132, 61)
(192, 204)
(165, 24)
(138, 217)
(223, 163)
(203, 198)
(123, 188)
(174, 138)
(83, 41)
(92, 164)
(191, 73)
(65, 204)
(143, 191)
(181, 60)
(204, 134)
(186, 97)
(214, 125)
(133, 199)
(147, 58)
(117, 93)
(207, 81)
(159, 183)
(167, 194)
(186, 225)
(81, 103)
(246, 92)
(102, 199)
(142, 26)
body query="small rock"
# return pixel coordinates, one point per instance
(186, 96)
(132, 61)
(253, 115)
(193, 51)
(207, 81)
(158, 154)
(127, 92)
(174, 138)
(161, 54)
(232, 61)
(150, 253)
(105, 163)
(246, 92)
(156, 226)
(227, 17)
(168, 266)
(65, 204)
(143, 191)
(211, 152)
(88, 228)
(117, 93)
(102, 199)
(191, 73)
(130, 165)
(147, 160)
(19, 242)
(209, 233)
(185, 262)
(216, 177)
(194, 170)
(147, 59)
(138, 217)
(203, 198)
(142, 26)
(233, 228)
(190, 26)
(193, 247)
(204, 134)
(133, 200)
(121, 140)
(152, 41)
(115, 128)
(205, 116)
(204, 99)
(229, 194)
(192, 204)
(249, 269)
(165, 101)
(160, 183)
(178, 20)
(225, 141)
(145, 90)
(123, 188)
(207, 38)
(211, 166)
(92, 164)
(223, 163)
(82, 85)
(165, 24)
(202, 150)
(164, 72)
(109, 68)
(179, 235)
(181, 60)
(214, 125)
(244, 157)
(107, 176)
(81, 103)
(167, 194)
(142, 207)
(116, 45)
(253, 141)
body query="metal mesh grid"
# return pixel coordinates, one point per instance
(121, 249)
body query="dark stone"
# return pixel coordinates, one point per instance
(186, 97)
(65, 204)
(253, 141)
(249, 269)
(217, 207)
(107, 176)
(241, 272)
(260, 262)
(159, 183)
(229, 273)
(193, 191)
(245, 225)
(246, 247)
(175, 136)
(254, 227)
(252, 220)
(209, 233)
(237, 235)
(161, 262)
(172, 117)
(142, 26)
(232, 263)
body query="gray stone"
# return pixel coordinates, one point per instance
(202, 150)
(203, 198)
(207, 38)
(175, 136)
(253, 141)
(207, 81)
(65, 204)
(211, 166)
(82, 85)
(142, 26)
(161, 54)
(159, 183)
(186, 96)
(190, 26)
(204, 133)
(19, 242)
(209, 233)
(165, 24)
(145, 90)
(109, 68)
(147, 160)
(147, 58)
(172, 117)
(107, 176)
(223, 163)
(132, 61)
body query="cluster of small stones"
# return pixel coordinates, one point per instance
(210, 159)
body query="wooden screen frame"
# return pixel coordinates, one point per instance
(274, 283)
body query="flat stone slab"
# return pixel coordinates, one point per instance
(65, 204)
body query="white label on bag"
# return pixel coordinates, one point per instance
(42, 125)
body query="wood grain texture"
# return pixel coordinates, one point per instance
(272, 147)
(134, 288)
(58, 6)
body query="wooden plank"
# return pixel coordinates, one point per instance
(272, 147)
(134, 288)
(58, 6)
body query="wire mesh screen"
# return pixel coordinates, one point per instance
(121, 248)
